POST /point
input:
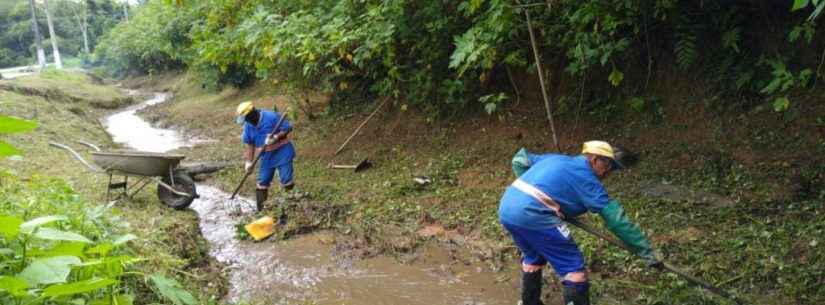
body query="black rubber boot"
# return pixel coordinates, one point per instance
(531, 288)
(576, 293)
(260, 198)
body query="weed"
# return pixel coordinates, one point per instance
(78, 255)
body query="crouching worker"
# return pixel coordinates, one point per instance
(274, 147)
(549, 188)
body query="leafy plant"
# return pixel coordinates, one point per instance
(73, 258)
(443, 56)
(783, 81)
(637, 104)
(817, 5)
(686, 50)
(12, 125)
(172, 290)
(492, 101)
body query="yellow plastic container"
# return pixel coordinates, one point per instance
(261, 228)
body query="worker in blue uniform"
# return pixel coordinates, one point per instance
(550, 188)
(274, 146)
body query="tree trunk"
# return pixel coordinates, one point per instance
(41, 56)
(55, 50)
(126, 9)
(84, 30)
(82, 18)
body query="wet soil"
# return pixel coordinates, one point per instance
(315, 267)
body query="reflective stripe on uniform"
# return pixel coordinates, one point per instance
(537, 194)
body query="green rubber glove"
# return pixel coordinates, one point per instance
(618, 223)
(521, 163)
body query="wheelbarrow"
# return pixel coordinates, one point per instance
(176, 189)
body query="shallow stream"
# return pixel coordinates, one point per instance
(303, 269)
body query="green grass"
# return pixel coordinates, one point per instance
(64, 85)
(72, 62)
(169, 241)
(766, 247)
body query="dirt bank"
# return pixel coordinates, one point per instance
(67, 107)
(747, 166)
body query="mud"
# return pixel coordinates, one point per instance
(311, 268)
(315, 268)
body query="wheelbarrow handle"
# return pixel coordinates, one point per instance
(77, 156)
(172, 189)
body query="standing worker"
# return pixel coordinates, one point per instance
(549, 188)
(274, 145)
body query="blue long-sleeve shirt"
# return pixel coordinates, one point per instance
(256, 135)
(569, 180)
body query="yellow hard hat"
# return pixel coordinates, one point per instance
(602, 148)
(243, 109)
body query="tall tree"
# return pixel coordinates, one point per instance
(126, 9)
(53, 36)
(41, 56)
(81, 15)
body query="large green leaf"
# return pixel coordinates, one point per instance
(29, 226)
(62, 249)
(50, 270)
(7, 149)
(798, 4)
(13, 285)
(9, 226)
(10, 124)
(77, 287)
(172, 290)
(615, 77)
(781, 104)
(54, 234)
(101, 249)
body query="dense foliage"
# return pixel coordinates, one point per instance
(17, 45)
(55, 248)
(146, 43)
(444, 54)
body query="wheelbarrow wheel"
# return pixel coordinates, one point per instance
(183, 184)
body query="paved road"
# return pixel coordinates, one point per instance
(17, 71)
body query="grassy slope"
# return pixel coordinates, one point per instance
(768, 245)
(169, 240)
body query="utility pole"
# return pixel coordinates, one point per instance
(41, 56)
(82, 18)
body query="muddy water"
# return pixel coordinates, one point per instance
(129, 129)
(303, 270)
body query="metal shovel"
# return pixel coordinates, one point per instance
(364, 164)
